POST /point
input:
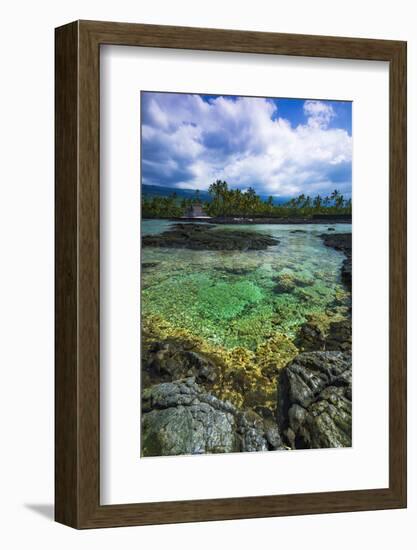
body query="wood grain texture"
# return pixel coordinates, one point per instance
(78, 284)
(398, 274)
(66, 238)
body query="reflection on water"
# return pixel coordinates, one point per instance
(243, 298)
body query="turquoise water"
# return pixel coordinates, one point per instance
(243, 298)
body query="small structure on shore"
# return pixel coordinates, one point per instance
(196, 211)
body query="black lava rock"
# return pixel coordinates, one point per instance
(208, 237)
(315, 400)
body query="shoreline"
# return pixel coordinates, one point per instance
(262, 221)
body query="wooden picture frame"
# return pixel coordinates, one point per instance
(77, 406)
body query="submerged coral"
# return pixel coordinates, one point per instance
(239, 310)
(233, 320)
(246, 378)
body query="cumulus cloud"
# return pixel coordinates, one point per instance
(319, 114)
(189, 142)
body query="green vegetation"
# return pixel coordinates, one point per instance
(234, 202)
(164, 207)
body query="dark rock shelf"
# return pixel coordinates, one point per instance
(207, 237)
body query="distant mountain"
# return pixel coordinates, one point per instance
(149, 191)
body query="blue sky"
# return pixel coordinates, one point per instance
(281, 147)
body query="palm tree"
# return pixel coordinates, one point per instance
(214, 189)
(251, 199)
(334, 196)
(317, 202)
(339, 200)
(300, 200)
(219, 191)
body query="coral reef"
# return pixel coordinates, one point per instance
(229, 325)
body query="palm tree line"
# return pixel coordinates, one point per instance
(235, 202)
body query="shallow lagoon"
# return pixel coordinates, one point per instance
(241, 299)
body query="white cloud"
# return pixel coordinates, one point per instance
(188, 142)
(319, 114)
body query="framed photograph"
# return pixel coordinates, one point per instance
(230, 274)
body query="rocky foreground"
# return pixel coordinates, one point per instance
(315, 400)
(180, 416)
(199, 236)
